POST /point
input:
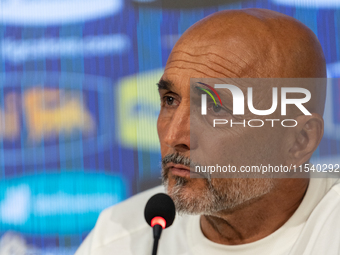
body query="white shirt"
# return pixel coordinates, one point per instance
(314, 229)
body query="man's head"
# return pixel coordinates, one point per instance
(250, 43)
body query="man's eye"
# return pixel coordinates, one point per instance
(217, 108)
(169, 100)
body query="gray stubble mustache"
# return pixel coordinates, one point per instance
(177, 158)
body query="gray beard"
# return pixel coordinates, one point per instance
(190, 205)
(213, 198)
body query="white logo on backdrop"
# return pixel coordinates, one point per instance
(19, 204)
(15, 207)
(24, 50)
(310, 3)
(44, 12)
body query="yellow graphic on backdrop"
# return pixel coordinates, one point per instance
(10, 117)
(137, 107)
(47, 113)
(50, 112)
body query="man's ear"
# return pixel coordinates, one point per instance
(308, 134)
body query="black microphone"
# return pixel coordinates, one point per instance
(159, 213)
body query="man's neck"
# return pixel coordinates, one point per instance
(257, 219)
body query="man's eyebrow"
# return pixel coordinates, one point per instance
(165, 84)
(198, 90)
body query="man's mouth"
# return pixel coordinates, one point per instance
(181, 170)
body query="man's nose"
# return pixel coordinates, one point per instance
(178, 130)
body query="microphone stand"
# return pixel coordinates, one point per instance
(157, 231)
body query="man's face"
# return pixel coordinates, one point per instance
(205, 145)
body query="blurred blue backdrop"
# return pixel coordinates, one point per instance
(79, 104)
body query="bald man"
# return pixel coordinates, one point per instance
(234, 215)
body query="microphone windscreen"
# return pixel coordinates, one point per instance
(160, 205)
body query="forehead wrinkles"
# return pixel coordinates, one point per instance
(211, 63)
